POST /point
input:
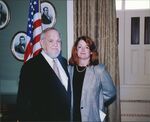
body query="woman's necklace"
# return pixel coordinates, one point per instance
(80, 70)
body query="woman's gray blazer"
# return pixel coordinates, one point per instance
(97, 89)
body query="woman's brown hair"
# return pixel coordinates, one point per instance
(74, 60)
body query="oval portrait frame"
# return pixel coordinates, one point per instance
(5, 14)
(18, 45)
(48, 8)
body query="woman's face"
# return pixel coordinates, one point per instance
(83, 50)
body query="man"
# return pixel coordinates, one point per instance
(42, 94)
(46, 18)
(20, 48)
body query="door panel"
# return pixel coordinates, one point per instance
(134, 57)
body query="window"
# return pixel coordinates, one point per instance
(132, 4)
(147, 31)
(137, 4)
(135, 30)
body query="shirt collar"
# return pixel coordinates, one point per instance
(48, 58)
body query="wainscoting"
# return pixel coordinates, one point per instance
(135, 104)
(8, 108)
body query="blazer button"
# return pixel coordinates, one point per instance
(81, 107)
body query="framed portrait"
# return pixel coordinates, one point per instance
(4, 14)
(48, 14)
(18, 45)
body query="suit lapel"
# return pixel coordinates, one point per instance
(86, 82)
(51, 76)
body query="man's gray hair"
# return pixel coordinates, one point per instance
(46, 30)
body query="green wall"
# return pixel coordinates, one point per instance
(10, 66)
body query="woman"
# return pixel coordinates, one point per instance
(92, 86)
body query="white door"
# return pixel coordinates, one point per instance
(135, 76)
(137, 54)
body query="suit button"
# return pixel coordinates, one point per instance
(81, 107)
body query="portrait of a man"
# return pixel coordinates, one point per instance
(20, 48)
(18, 45)
(46, 16)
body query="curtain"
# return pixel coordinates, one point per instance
(97, 19)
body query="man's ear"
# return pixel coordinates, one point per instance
(41, 43)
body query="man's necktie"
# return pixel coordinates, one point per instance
(55, 68)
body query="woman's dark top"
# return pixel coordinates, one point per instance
(78, 79)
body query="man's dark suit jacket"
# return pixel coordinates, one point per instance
(41, 96)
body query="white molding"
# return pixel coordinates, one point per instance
(134, 92)
(70, 33)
